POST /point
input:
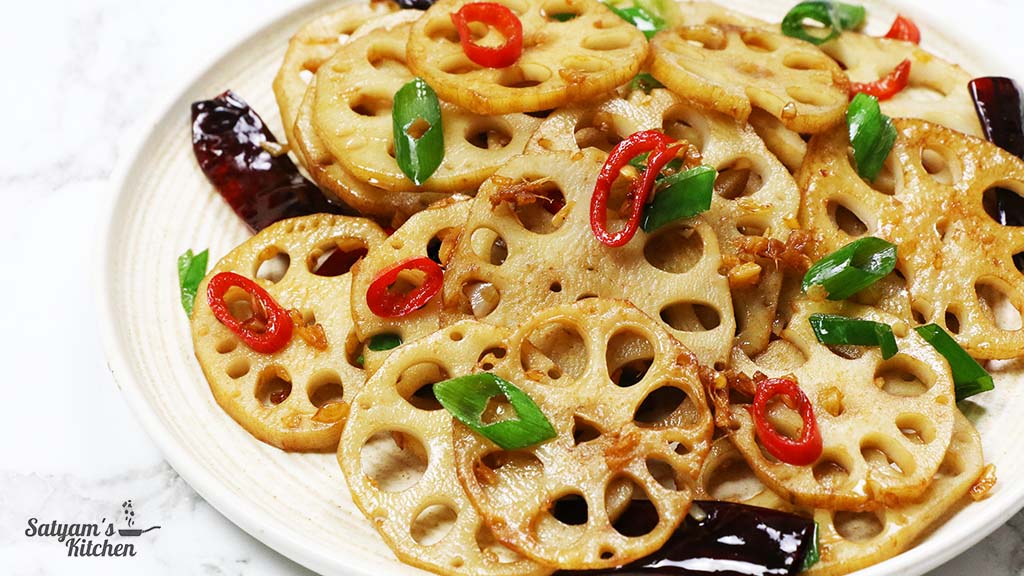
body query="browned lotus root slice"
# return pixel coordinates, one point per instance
(731, 69)
(849, 541)
(931, 200)
(352, 115)
(629, 409)
(515, 257)
(390, 207)
(936, 90)
(398, 459)
(786, 144)
(278, 397)
(432, 232)
(756, 197)
(697, 13)
(311, 46)
(580, 59)
(862, 405)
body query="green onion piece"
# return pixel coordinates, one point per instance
(667, 10)
(969, 378)
(191, 270)
(381, 342)
(466, 397)
(646, 82)
(682, 195)
(416, 122)
(360, 360)
(852, 268)
(648, 23)
(834, 16)
(831, 329)
(563, 16)
(871, 135)
(813, 555)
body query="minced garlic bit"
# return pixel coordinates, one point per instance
(985, 483)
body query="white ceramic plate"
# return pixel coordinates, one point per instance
(298, 503)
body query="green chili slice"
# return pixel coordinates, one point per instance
(831, 329)
(416, 122)
(647, 22)
(191, 270)
(871, 135)
(969, 378)
(646, 82)
(852, 268)
(466, 398)
(833, 16)
(387, 341)
(682, 195)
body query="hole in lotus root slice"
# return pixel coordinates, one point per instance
(393, 460)
(325, 388)
(579, 59)
(846, 220)
(272, 265)
(904, 376)
(388, 59)
(664, 474)
(238, 367)
(782, 356)
(629, 357)
(370, 104)
(227, 345)
(554, 353)
(691, 316)
(335, 257)
(675, 249)
(273, 386)
(886, 455)
(416, 384)
(999, 308)
(684, 122)
(730, 478)
(916, 428)
(479, 298)
(990, 203)
(738, 178)
(489, 133)
(539, 202)
(583, 430)
(491, 357)
(667, 407)
(640, 516)
(432, 524)
(858, 526)
(940, 165)
(489, 246)
(832, 471)
(731, 69)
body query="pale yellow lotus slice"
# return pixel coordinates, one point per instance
(296, 398)
(932, 200)
(562, 62)
(649, 434)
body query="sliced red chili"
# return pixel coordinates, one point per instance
(267, 340)
(660, 153)
(884, 88)
(800, 452)
(501, 19)
(387, 305)
(903, 28)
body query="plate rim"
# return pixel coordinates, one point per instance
(280, 537)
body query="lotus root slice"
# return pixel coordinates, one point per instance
(580, 59)
(398, 458)
(280, 398)
(933, 199)
(626, 401)
(863, 405)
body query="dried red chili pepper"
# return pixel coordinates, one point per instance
(800, 452)
(658, 145)
(885, 88)
(278, 330)
(387, 305)
(903, 28)
(501, 19)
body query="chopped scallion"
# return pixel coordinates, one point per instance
(833, 16)
(647, 22)
(381, 342)
(872, 135)
(191, 270)
(646, 82)
(467, 397)
(682, 195)
(969, 378)
(416, 123)
(832, 330)
(813, 555)
(852, 268)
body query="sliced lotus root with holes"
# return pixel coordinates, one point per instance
(936, 90)
(862, 405)
(516, 257)
(580, 59)
(433, 233)
(352, 115)
(756, 196)
(311, 46)
(849, 541)
(732, 69)
(932, 200)
(399, 461)
(391, 207)
(278, 397)
(697, 13)
(629, 409)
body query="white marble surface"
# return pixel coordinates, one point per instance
(76, 76)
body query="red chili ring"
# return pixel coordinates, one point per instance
(387, 305)
(660, 153)
(885, 88)
(279, 324)
(903, 28)
(498, 17)
(800, 452)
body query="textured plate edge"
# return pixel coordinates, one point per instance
(915, 561)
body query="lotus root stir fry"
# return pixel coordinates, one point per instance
(613, 287)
